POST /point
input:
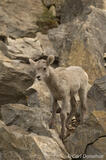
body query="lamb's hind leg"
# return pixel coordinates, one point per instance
(63, 116)
(73, 107)
(83, 105)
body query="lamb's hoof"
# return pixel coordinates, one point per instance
(85, 118)
(67, 125)
(58, 110)
(83, 121)
(51, 126)
(77, 116)
(63, 135)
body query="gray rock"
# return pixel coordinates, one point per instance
(34, 48)
(30, 119)
(15, 78)
(10, 155)
(1, 157)
(24, 48)
(19, 144)
(20, 17)
(32, 97)
(97, 150)
(97, 95)
(3, 48)
(46, 45)
(82, 42)
(86, 134)
(67, 10)
(73, 8)
(43, 98)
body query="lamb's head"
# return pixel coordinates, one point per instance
(41, 67)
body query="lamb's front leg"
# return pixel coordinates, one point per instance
(57, 105)
(63, 116)
(54, 109)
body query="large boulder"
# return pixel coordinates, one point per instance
(97, 150)
(15, 143)
(73, 8)
(97, 95)
(82, 42)
(67, 10)
(3, 57)
(15, 71)
(42, 94)
(87, 133)
(20, 17)
(24, 48)
(30, 119)
(3, 49)
(34, 48)
(15, 78)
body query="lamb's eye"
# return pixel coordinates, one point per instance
(44, 68)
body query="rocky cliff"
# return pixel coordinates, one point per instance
(74, 31)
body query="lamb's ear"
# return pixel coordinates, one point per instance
(50, 59)
(32, 62)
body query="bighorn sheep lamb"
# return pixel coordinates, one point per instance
(63, 84)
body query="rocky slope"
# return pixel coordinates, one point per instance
(75, 33)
